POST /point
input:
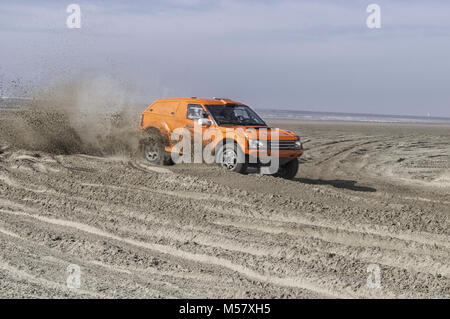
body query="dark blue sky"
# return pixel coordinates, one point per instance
(306, 55)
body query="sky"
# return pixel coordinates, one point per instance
(279, 54)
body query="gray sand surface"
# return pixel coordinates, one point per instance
(366, 193)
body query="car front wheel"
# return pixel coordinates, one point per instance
(231, 157)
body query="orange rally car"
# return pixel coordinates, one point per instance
(237, 137)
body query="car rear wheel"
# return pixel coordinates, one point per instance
(230, 157)
(152, 148)
(153, 153)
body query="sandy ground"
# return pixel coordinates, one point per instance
(365, 194)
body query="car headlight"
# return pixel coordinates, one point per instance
(257, 144)
(298, 144)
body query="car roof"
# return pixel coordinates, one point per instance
(195, 100)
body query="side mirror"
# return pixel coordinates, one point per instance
(204, 122)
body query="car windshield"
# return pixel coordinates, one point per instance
(232, 114)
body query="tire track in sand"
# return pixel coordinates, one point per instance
(293, 282)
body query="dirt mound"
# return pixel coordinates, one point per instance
(41, 130)
(73, 118)
(444, 178)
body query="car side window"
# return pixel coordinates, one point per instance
(241, 113)
(195, 112)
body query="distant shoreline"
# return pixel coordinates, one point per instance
(348, 117)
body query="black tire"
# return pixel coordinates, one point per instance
(288, 170)
(224, 154)
(152, 148)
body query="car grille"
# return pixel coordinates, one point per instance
(282, 145)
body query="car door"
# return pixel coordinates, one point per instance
(194, 112)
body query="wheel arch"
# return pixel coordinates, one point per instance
(155, 131)
(224, 141)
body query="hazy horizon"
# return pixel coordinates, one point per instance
(289, 55)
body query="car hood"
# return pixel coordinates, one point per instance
(268, 133)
